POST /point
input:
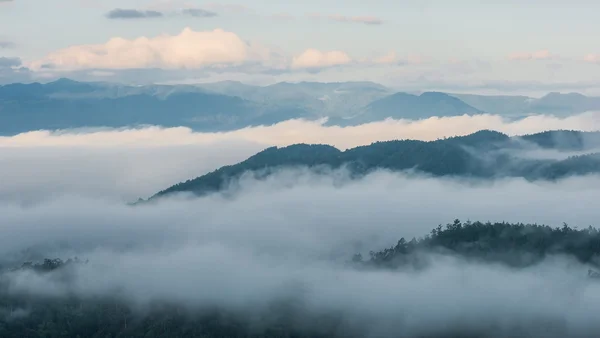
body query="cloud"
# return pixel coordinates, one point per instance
(9, 62)
(7, 44)
(315, 59)
(538, 55)
(282, 16)
(592, 58)
(367, 20)
(145, 14)
(189, 49)
(300, 131)
(119, 13)
(231, 8)
(288, 237)
(156, 166)
(388, 58)
(198, 13)
(392, 58)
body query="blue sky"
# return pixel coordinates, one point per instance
(467, 45)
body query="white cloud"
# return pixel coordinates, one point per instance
(313, 58)
(593, 58)
(538, 55)
(393, 58)
(189, 49)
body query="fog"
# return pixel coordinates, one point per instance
(290, 236)
(113, 172)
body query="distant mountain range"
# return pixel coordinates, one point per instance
(551, 104)
(228, 105)
(412, 107)
(484, 155)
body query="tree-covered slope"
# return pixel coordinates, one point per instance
(513, 244)
(484, 154)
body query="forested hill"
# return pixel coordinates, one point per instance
(517, 245)
(484, 154)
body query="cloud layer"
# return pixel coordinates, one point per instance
(300, 131)
(288, 237)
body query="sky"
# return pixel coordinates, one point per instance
(462, 46)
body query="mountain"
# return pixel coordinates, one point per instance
(321, 99)
(229, 105)
(67, 104)
(501, 104)
(519, 106)
(484, 154)
(408, 106)
(565, 104)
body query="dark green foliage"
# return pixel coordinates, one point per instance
(517, 245)
(261, 163)
(484, 154)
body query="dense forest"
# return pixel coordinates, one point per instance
(514, 245)
(484, 154)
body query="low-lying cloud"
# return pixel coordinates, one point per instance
(289, 236)
(301, 131)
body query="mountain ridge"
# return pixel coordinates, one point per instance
(230, 105)
(484, 154)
